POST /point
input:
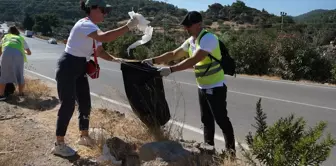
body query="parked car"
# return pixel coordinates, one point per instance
(29, 33)
(52, 41)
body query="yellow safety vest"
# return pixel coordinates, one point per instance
(215, 73)
(14, 41)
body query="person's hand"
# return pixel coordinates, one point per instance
(165, 71)
(148, 61)
(132, 23)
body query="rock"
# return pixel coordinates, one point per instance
(170, 151)
(122, 150)
(157, 161)
(85, 162)
(131, 160)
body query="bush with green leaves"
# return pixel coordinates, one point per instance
(333, 74)
(287, 142)
(251, 53)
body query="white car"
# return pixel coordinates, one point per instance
(28, 33)
(52, 41)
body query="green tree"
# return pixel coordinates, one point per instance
(287, 142)
(28, 22)
(44, 23)
(252, 53)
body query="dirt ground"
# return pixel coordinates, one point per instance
(27, 127)
(28, 123)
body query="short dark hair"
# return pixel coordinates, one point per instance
(192, 17)
(13, 30)
(85, 8)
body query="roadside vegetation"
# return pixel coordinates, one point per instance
(299, 48)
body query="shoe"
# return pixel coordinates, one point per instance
(86, 141)
(63, 150)
(3, 98)
(205, 147)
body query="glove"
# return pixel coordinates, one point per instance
(132, 23)
(148, 61)
(165, 71)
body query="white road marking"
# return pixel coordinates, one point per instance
(270, 98)
(288, 82)
(276, 81)
(248, 94)
(179, 124)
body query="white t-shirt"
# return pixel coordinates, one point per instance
(208, 43)
(79, 44)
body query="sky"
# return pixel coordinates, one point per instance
(291, 7)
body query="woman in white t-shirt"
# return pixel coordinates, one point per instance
(72, 82)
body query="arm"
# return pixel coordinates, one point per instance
(178, 53)
(108, 35)
(26, 48)
(171, 55)
(103, 54)
(207, 44)
(190, 62)
(113, 34)
(27, 51)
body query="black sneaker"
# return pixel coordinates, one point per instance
(3, 98)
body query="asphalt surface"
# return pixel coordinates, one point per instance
(279, 98)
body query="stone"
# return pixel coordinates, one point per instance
(131, 160)
(156, 162)
(170, 151)
(119, 148)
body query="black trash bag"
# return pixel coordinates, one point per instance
(10, 87)
(145, 92)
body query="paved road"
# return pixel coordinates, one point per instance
(279, 98)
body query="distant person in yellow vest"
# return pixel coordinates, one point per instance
(13, 50)
(212, 90)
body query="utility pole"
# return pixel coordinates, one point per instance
(282, 19)
(164, 22)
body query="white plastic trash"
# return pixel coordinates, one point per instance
(106, 156)
(143, 27)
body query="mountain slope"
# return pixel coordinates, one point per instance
(14, 10)
(317, 16)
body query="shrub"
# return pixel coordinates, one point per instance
(252, 54)
(333, 74)
(287, 142)
(285, 49)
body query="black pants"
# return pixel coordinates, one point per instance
(213, 108)
(72, 86)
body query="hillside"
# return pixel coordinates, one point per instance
(258, 40)
(317, 16)
(66, 12)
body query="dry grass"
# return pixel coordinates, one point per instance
(36, 89)
(28, 139)
(133, 132)
(21, 135)
(119, 125)
(262, 76)
(37, 96)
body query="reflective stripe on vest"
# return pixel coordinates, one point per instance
(16, 42)
(215, 73)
